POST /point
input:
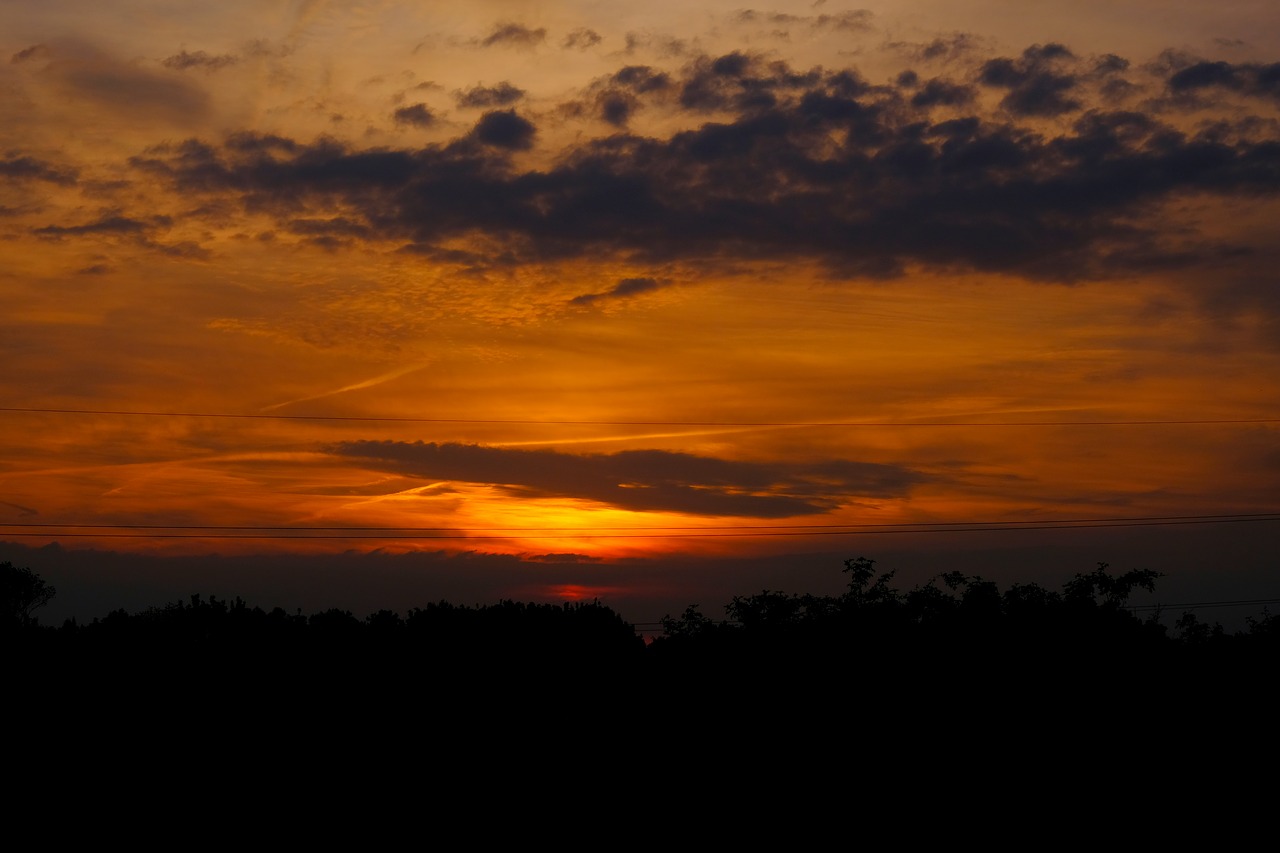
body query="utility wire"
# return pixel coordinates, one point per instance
(1251, 602)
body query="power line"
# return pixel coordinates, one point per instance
(653, 627)
(653, 423)
(1250, 602)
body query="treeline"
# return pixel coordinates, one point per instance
(957, 658)
(955, 673)
(963, 624)
(954, 620)
(958, 663)
(214, 632)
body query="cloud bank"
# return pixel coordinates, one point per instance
(870, 180)
(644, 480)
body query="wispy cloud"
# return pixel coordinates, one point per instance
(355, 386)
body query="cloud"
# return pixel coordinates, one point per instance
(1036, 85)
(36, 51)
(561, 558)
(941, 49)
(199, 59)
(485, 97)
(17, 167)
(329, 233)
(624, 289)
(620, 95)
(415, 114)
(581, 39)
(664, 45)
(856, 20)
(129, 90)
(616, 107)
(139, 232)
(938, 92)
(641, 79)
(739, 81)
(853, 20)
(1252, 78)
(1110, 64)
(813, 164)
(505, 129)
(643, 480)
(111, 224)
(514, 35)
(26, 511)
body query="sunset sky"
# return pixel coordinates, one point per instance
(652, 302)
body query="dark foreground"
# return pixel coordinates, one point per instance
(951, 676)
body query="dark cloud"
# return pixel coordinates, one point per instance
(1249, 78)
(199, 59)
(941, 49)
(332, 228)
(248, 141)
(95, 269)
(624, 289)
(17, 167)
(514, 35)
(938, 92)
(415, 114)
(857, 20)
(739, 81)
(1204, 74)
(22, 510)
(581, 39)
(111, 224)
(751, 16)
(139, 232)
(130, 90)
(1110, 64)
(643, 480)
(1171, 60)
(827, 167)
(664, 44)
(561, 558)
(328, 242)
(632, 286)
(472, 261)
(278, 174)
(618, 97)
(852, 21)
(183, 249)
(642, 79)
(616, 107)
(36, 51)
(1036, 85)
(262, 48)
(1113, 87)
(505, 129)
(485, 97)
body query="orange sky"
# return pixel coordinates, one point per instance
(629, 272)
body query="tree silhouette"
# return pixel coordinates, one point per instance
(1114, 590)
(22, 591)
